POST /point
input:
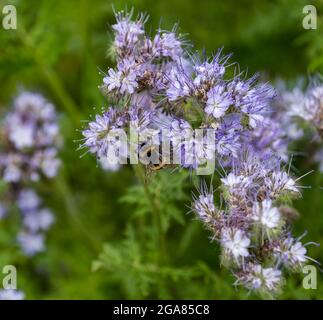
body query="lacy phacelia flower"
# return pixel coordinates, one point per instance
(291, 253)
(268, 216)
(141, 60)
(28, 152)
(124, 79)
(168, 44)
(158, 75)
(280, 182)
(127, 32)
(204, 207)
(255, 277)
(192, 107)
(97, 134)
(235, 243)
(231, 181)
(218, 101)
(252, 225)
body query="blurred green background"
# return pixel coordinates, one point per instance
(58, 50)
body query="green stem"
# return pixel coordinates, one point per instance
(160, 239)
(73, 213)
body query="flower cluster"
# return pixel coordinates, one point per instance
(35, 221)
(141, 60)
(253, 224)
(164, 94)
(300, 115)
(29, 138)
(185, 110)
(271, 137)
(28, 152)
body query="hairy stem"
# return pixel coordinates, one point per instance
(160, 239)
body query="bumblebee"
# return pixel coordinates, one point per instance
(153, 153)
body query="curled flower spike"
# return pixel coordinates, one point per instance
(291, 253)
(204, 207)
(255, 277)
(252, 225)
(128, 32)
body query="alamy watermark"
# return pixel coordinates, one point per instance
(310, 19)
(9, 280)
(9, 17)
(310, 280)
(162, 148)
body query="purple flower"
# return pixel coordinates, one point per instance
(124, 80)
(280, 182)
(167, 44)
(269, 137)
(113, 79)
(218, 101)
(30, 128)
(32, 134)
(97, 133)
(39, 220)
(22, 135)
(204, 207)
(31, 243)
(235, 243)
(267, 215)
(10, 294)
(28, 200)
(49, 163)
(12, 168)
(140, 117)
(208, 72)
(255, 277)
(227, 140)
(255, 103)
(232, 181)
(179, 85)
(291, 253)
(127, 32)
(192, 108)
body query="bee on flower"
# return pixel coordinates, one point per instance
(193, 107)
